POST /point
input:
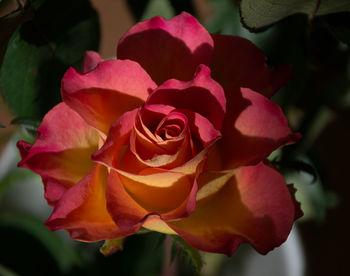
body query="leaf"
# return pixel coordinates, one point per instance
(8, 24)
(224, 18)
(159, 242)
(158, 7)
(11, 179)
(182, 5)
(28, 123)
(111, 246)
(193, 254)
(65, 256)
(4, 271)
(1, 126)
(137, 7)
(41, 50)
(296, 166)
(339, 26)
(257, 14)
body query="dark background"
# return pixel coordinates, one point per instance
(316, 102)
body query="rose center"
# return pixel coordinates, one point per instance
(171, 126)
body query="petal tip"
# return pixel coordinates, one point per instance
(202, 70)
(91, 60)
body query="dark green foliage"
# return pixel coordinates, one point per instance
(41, 50)
(137, 7)
(186, 251)
(339, 25)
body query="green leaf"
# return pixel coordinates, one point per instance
(28, 123)
(159, 242)
(257, 14)
(1, 126)
(111, 246)
(183, 5)
(298, 166)
(9, 23)
(193, 254)
(4, 271)
(158, 7)
(224, 19)
(137, 7)
(339, 26)
(11, 179)
(41, 50)
(65, 255)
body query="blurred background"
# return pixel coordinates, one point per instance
(40, 39)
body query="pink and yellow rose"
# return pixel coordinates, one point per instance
(172, 136)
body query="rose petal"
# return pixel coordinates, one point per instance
(201, 128)
(129, 214)
(90, 62)
(254, 126)
(132, 198)
(167, 160)
(237, 62)
(186, 95)
(174, 47)
(145, 135)
(104, 94)
(117, 140)
(154, 223)
(148, 120)
(82, 210)
(253, 206)
(158, 191)
(61, 153)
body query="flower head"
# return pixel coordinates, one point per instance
(173, 136)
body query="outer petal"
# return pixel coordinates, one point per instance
(253, 206)
(104, 94)
(237, 62)
(61, 153)
(188, 94)
(167, 49)
(254, 126)
(82, 210)
(90, 62)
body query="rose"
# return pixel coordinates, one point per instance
(172, 136)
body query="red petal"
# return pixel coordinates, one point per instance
(167, 48)
(82, 210)
(153, 155)
(117, 138)
(90, 62)
(254, 205)
(254, 126)
(132, 198)
(104, 94)
(237, 62)
(187, 94)
(297, 206)
(126, 213)
(61, 153)
(130, 205)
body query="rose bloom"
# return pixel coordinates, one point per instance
(171, 136)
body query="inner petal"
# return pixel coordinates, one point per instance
(160, 137)
(171, 126)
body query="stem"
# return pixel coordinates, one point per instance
(313, 14)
